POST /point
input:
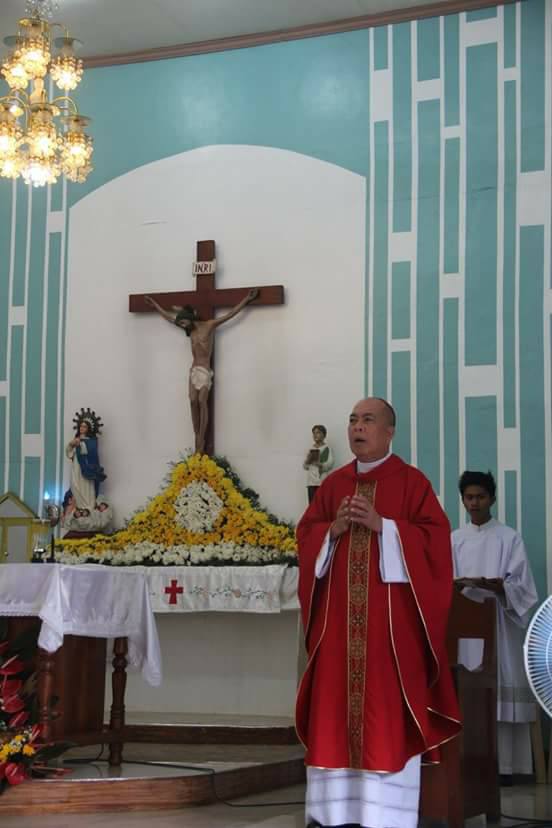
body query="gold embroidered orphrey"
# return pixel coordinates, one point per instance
(359, 566)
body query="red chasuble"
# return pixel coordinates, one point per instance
(377, 689)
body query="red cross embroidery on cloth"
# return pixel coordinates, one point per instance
(173, 591)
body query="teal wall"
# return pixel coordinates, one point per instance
(446, 119)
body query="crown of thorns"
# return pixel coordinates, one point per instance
(94, 423)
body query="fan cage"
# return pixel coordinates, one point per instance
(537, 653)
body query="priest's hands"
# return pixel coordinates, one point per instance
(342, 520)
(362, 511)
(356, 509)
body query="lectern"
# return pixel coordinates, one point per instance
(466, 783)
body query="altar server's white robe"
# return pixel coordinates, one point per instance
(496, 551)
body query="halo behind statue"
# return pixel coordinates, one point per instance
(91, 419)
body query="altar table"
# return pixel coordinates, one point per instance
(80, 608)
(232, 643)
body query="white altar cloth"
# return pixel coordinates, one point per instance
(258, 589)
(89, 600)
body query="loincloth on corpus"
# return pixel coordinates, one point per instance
(201, 378)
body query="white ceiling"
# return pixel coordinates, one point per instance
(118, 26)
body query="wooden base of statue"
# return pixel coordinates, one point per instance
(71, 690)
(465, 783)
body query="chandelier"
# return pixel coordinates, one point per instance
(42, 138)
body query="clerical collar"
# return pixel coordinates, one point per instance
(484, 526)
(363, 468)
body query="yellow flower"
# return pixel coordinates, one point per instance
(28, 750)
(238, 523)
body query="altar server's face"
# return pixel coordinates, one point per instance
(370, 432)
(477, 503)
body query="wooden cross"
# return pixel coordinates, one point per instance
(206, 299)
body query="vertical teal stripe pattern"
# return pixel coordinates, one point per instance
(429, 52)
(20, 257)
(509, 322)
(56, 196)
(510, 498)
(3, 447)
(400, 399)
(481, 203)
(52, 379)
(451, 410)
(427, 307)
(510, 26)
(451, 240)
(452, 69)
(481, 430)
(35, 300)
(63, 319)
(367, 347)
(5, 247)
(480, 14)
(532, 85)
(15, 410)
(532, 410)
(402, 128)
(400, 300)
(381, 256)
(381, 57)
(31, 486)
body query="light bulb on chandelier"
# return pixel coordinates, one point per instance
(52, 139)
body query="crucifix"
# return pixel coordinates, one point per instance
(194, 312)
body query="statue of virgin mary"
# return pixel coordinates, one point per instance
(86, 472)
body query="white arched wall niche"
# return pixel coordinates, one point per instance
(277, 218)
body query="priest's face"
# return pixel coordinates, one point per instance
(370, 430)
(477, 503)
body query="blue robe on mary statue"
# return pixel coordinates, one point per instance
(89, 461)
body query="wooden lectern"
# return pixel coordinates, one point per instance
(466, 783)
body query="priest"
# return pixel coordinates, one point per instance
(490, 561)
(375, 585)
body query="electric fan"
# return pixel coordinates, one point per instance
(537, 652)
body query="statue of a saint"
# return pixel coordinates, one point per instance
(319, 460)
(202, 339)
(82, 450)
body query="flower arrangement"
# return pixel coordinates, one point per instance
(202, 516)
(22, 753)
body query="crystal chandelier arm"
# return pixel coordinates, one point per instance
(63, 28)
(20, 98)
(72, 105)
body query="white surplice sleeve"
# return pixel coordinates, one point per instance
(325, 555)
(520, 593)
(392, 568)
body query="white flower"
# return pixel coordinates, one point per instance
(178, 555)
(197, 507)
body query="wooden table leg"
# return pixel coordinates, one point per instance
(45, 685)
(118, 683)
